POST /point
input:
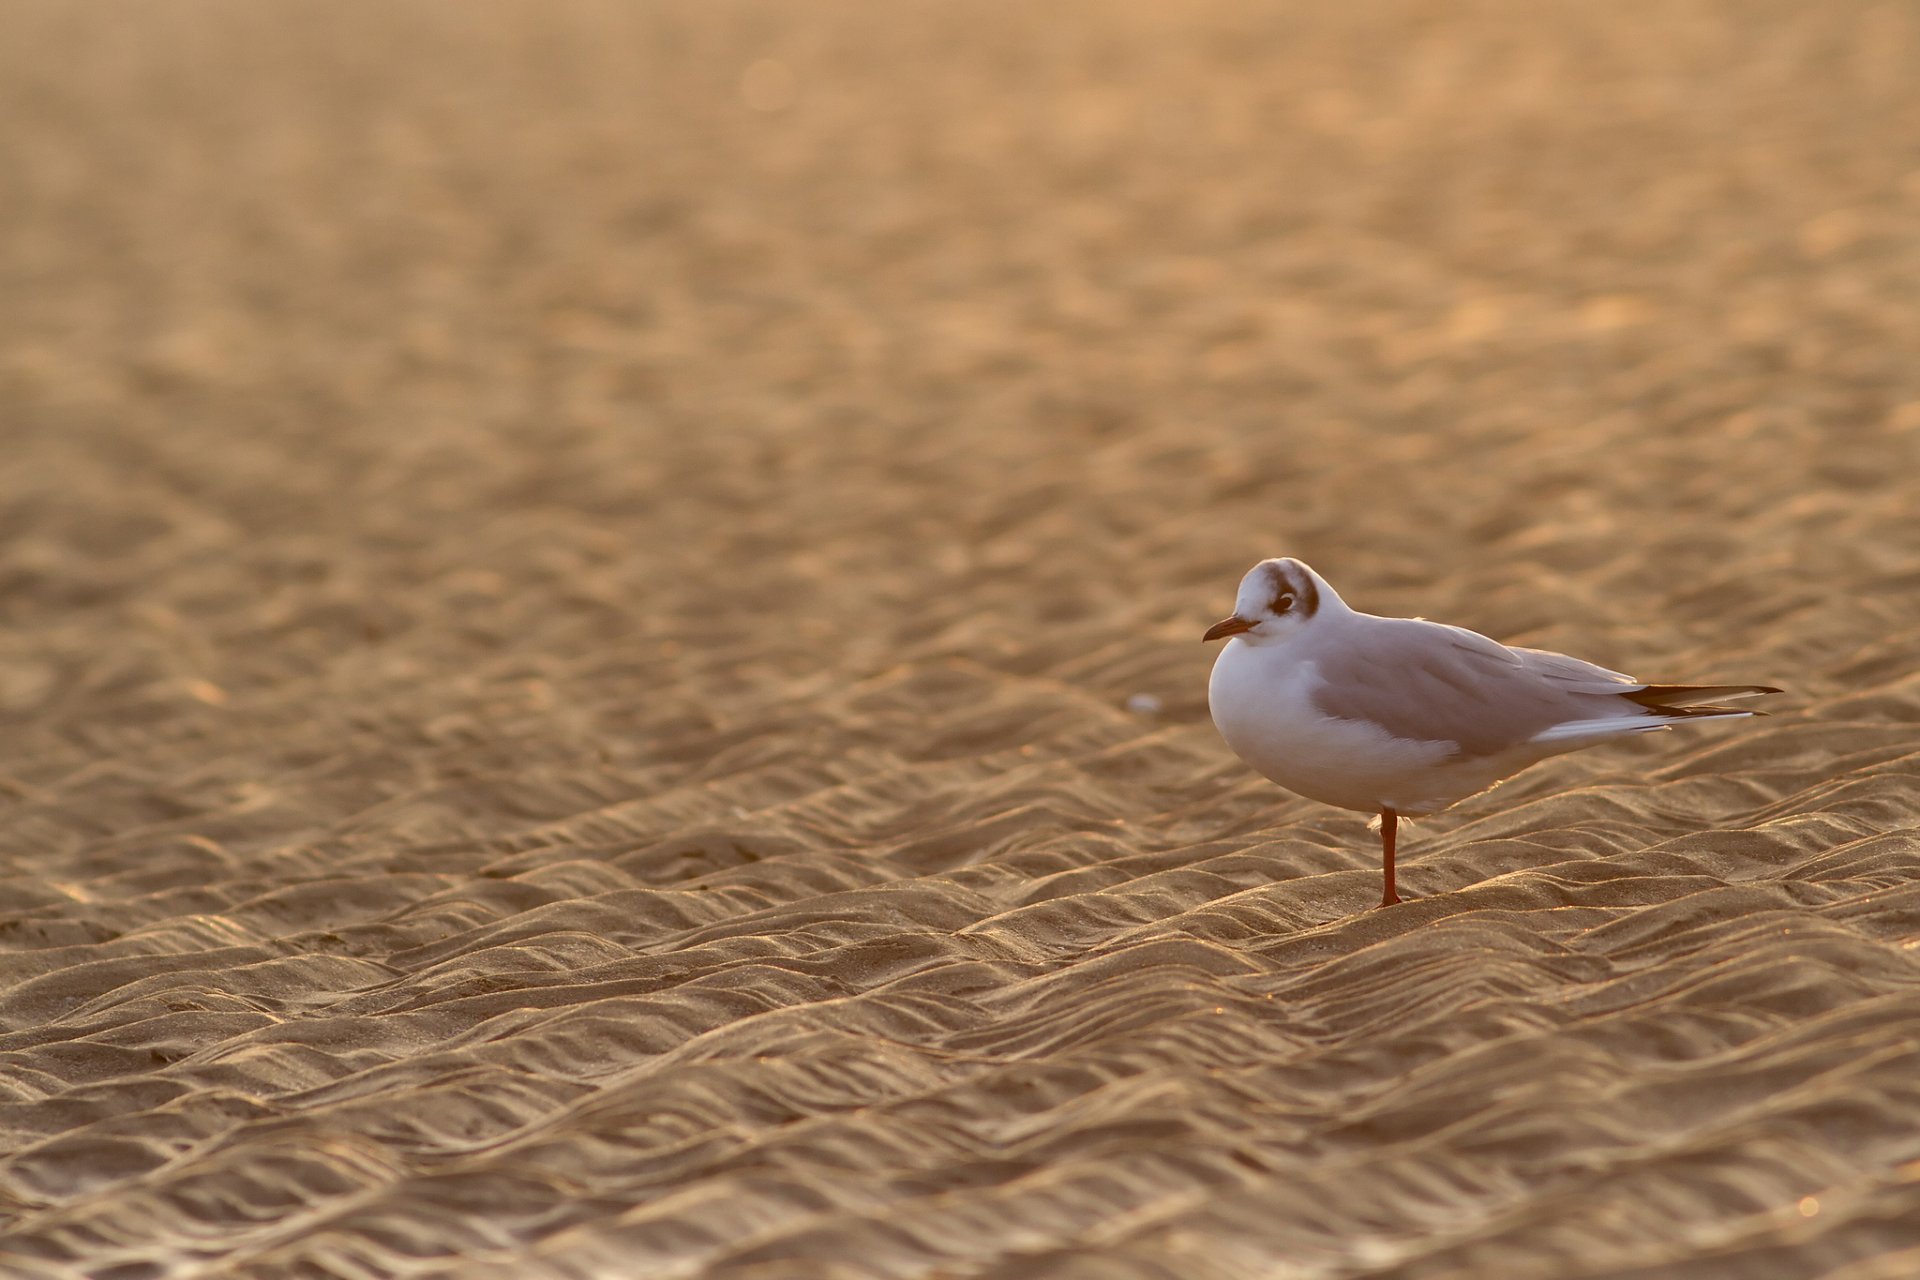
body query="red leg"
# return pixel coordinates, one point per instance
(1389, 824)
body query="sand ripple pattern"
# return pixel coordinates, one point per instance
(575, 581)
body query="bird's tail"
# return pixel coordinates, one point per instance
(1697, 701)
(1664, 705)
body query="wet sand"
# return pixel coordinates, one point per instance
(575, 579)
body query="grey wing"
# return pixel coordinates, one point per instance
(1434, 683)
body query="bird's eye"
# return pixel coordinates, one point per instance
(1282, 602)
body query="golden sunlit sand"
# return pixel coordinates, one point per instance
(601, 667)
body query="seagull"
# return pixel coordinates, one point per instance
(1401, 716)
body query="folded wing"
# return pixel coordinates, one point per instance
(1428, 682)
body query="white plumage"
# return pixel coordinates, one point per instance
(1403, 716)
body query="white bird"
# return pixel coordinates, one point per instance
(1404, 716)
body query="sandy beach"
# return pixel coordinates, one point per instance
(599, 638)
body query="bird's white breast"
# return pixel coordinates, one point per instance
(1261, 700)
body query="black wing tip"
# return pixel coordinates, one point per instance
(1674, 702)
(1675, 697)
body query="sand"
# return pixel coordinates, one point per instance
(600, 663)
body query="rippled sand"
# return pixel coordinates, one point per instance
(574, 576)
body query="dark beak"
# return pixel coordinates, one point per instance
(1231, 626)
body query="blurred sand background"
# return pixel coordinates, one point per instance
(573, 574)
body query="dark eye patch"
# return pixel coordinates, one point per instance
(1293, 592)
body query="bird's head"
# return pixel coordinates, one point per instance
(1277, 599)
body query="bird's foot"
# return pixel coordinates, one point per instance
(1390, 900)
